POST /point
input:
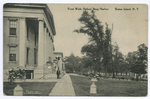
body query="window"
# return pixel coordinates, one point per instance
(12, 27)
(27, 56)
(12, 53)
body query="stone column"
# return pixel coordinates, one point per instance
(38, 72)
(22, 39)
(45, 45)
(51, 46)
(41, 43)
(49, 53)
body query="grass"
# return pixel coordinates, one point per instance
(42, 87)
(108, 87)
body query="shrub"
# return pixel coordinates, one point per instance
(16, 74)
(143, 79)
(122, 78)
(98, 78)
(113, 77)
(132, 78)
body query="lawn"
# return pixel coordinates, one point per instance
(28, 87)
(108, 87)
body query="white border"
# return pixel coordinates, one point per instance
(60, 1)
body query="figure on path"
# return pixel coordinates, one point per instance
(58, 73)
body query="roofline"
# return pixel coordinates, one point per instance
(59, 53)
(43, 6)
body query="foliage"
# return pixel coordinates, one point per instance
(139, 63)
(118, 59)
(98, 46)
(102, 55)
(72, 63)
(14, 74)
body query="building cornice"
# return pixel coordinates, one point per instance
(36, 5)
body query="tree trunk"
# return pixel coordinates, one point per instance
(137, 77)
(105, 71)
(116, 73)
(113, 71)
(113, 74)
(140, 77)
(121, 73)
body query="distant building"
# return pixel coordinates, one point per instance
(58, 59)
(28, 34)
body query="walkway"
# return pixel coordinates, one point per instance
(63, 87)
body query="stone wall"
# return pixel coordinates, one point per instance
(7, 41)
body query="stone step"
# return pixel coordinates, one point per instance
(50, 76)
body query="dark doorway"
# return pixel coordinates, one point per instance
(28, 74)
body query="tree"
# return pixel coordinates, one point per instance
(140, 64)
(107, 49)
(72, 63)
(137, 60)
(86, 64)
(118, 59)
(131, 59)
(99, 41)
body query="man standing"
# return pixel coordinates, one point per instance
(58, 73)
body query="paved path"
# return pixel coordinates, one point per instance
(63, 87)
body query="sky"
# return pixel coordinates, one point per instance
(130, 27)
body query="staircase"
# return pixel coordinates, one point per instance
(50, 76)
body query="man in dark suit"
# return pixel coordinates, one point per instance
(58, 73)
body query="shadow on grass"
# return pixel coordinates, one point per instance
(109, 87)
(42, 87)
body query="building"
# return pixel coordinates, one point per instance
(58, 61)
(28, 36)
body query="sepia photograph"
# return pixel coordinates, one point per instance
(75, 49)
